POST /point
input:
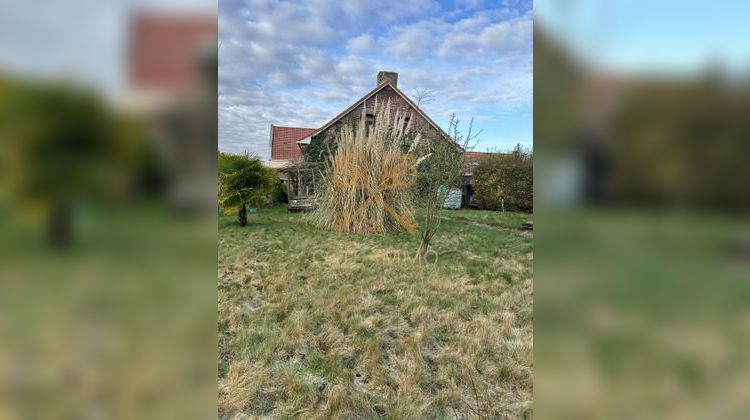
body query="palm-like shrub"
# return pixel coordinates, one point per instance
(368, 180)
(63, 146)
(243, 181)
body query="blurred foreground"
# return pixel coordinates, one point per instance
(107, 208)
(642, 241)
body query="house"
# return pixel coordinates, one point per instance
(287, 144)
(171, 71)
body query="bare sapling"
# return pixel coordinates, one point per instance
(440, 168)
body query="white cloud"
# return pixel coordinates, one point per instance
(487, 41)
(360, 44)
(416, 40)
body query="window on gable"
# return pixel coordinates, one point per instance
(369, 121)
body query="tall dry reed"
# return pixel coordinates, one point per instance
(367, 184)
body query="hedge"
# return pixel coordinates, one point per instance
(505, 180)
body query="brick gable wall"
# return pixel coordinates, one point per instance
(419, 123)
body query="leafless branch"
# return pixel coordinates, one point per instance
(423, 96)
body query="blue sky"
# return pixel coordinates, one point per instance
(672, 37)
(295, 63)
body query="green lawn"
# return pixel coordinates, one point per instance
(114, 324)
(322, 325)
(642, 312)
(507, 220)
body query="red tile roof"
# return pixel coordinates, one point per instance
(284, 142)
(475, 156)
(166, 50)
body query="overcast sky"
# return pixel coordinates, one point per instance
(299, 63)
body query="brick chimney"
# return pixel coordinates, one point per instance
(388, 75)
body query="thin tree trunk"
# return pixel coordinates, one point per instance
(242, 215)
(60, 225)
(422, 252)
(424, 246)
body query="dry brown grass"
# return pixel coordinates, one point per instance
(367, 185)
(301, 318)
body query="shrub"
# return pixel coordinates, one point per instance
(243, 180)
(505, 180)
(62, 146)
(279, 191)
(319, 149)
(367, 183)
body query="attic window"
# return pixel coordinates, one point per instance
(369, 119)
(406, 122)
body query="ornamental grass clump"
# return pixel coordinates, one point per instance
(368, 180)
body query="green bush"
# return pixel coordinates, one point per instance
(320, 149)
(505, 180)
(243, 182)
(279, 191)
